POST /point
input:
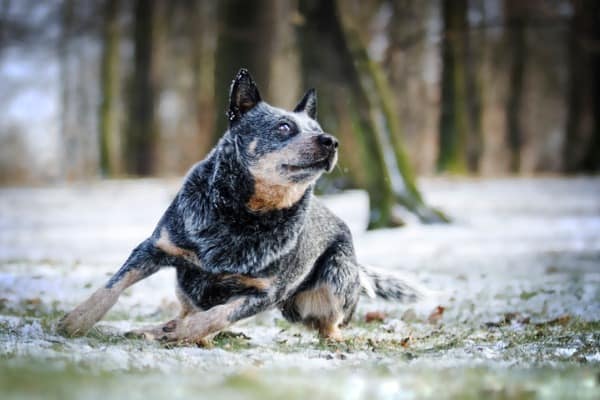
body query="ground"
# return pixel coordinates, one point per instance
(515, 311)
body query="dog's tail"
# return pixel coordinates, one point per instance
(390, 286)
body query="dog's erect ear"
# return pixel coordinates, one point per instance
(243, 96)
(308, 103)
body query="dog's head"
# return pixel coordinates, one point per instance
(284, 151)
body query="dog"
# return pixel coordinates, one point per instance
(246, 234)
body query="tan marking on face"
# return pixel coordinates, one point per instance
(84, 316)
(262, 284)
(164, 243)
(272, 191)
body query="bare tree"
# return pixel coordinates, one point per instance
(245, 30)
(581, 149)
(353, 89)
(515, 14)
(110, 151)
(142, 133)
(454, 113)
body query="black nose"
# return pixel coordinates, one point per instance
(327, 141)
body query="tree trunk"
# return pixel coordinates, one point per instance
(110, 154)
(581, 149)
(142, 134)
(516, 16)
(387, 128)
(416, 97)
(454, 117)
(474, 43)
(4, 10)
(71, 157)
(351, 108)
(244, 40)
(203, 61)
(343, 108)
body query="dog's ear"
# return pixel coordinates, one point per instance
(243, 96)
(308, 104)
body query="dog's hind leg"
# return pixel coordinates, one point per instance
(143, 262)
(328, 297)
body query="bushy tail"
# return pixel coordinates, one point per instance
(389, 286)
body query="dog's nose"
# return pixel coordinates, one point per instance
(327, 141)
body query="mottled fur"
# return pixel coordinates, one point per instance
(246, 234)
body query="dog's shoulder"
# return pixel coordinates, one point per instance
(322, 229)
(321, 220)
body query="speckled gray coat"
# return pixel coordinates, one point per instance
(246, 233)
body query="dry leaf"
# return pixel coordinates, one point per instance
(406, 341)
(562, 320)
(436, 315)
(375, 316)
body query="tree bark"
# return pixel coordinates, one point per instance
(454, 117)
(142, 134)
(387, 127)
(516, 18)
(343, 108)
(350, 89)
(71, 146)
(581, 149)
(474, 50)
(110, 154)
(203, 61)
(244, 40)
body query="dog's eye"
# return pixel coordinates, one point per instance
(284, 128)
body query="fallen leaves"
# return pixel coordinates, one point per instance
(409, 316)
(561, 320)
(406, 341)
(517, 318)
(436, 315)
(35, 301)
(375, 316)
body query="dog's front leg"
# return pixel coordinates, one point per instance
(143, 262)
(199, 325)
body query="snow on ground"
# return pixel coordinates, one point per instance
(517, 272)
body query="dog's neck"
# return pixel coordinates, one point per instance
(268, 197)
(237, 195)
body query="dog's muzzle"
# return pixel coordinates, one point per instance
(329, 144)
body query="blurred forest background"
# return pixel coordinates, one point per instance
(118, 88)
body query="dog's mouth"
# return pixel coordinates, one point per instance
(323, 164)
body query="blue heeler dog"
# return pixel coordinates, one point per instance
(246, 233)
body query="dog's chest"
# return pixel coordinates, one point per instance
(246, 249)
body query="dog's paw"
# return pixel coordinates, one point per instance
(79, 321)
(73, 324)
(164, 332)
(141, 334)
(331, 332)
